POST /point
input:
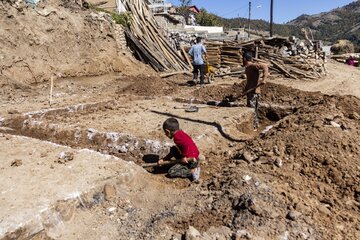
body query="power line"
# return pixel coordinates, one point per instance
(235, 10)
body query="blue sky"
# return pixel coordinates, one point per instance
(284, 10)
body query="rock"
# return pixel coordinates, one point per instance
(256, 210)
(264, 160)
(278, 162)
(318, 124)
(192, 234)
(13, 111)
(64, 157)
(324, 210)
(111, 209)
(176, 237)
(16, 163)
(242, 234)
(246, 178)
(293, 215)
(218, 233)
(276, 151)
(109, 192)
(354, 116)
(335, 124)
(248, 156)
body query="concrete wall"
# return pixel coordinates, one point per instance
(205, 28)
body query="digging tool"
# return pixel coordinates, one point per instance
(190, 108)
(232, 98)
(165, 163)
(229, 101)
(193, 108)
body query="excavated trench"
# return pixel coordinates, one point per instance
(37, 125)
(41, 125)
(57, 126)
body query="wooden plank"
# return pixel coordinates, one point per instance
(186, 56)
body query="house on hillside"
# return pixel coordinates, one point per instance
(193, 10)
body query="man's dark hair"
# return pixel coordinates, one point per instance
(248, 56)
(198, 39)
(171, 124)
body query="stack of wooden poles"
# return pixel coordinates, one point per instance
(148, 41)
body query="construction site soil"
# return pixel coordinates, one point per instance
(68, 172)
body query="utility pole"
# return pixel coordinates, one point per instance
(249, 18)
(271, 17)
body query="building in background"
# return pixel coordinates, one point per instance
(159, 6)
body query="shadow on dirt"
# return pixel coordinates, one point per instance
(214, 124)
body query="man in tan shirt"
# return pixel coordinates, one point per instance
(252, 71)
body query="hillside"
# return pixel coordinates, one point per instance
(340, 23)
(67, 40)
(209, 19)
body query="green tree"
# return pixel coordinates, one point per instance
(207, 19)
(184, 8)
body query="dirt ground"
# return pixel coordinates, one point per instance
(298, 177)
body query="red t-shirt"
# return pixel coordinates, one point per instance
(186, 145)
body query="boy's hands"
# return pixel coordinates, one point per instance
(184, 160)
(160, 162)
(187, 160)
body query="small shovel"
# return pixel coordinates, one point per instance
(165, 163)
(191, 108)
(232, 98)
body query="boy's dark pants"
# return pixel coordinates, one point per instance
(181, 170)
(198, 68)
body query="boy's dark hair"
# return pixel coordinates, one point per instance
(171, 124)
(248, 56)
(198, 39)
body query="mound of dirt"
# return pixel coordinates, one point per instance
(62, 38)
(299, 180)
(270, 92)
(304, 171)
(146, 85)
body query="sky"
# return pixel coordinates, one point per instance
(284, 10)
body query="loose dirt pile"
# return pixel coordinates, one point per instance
(298, 180)
(60, 38)
(271, 93)
(143, 85)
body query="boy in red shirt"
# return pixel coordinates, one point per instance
(185, 151)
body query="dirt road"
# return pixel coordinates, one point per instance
(341, 80)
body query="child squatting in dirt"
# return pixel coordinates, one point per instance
(185, 151)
